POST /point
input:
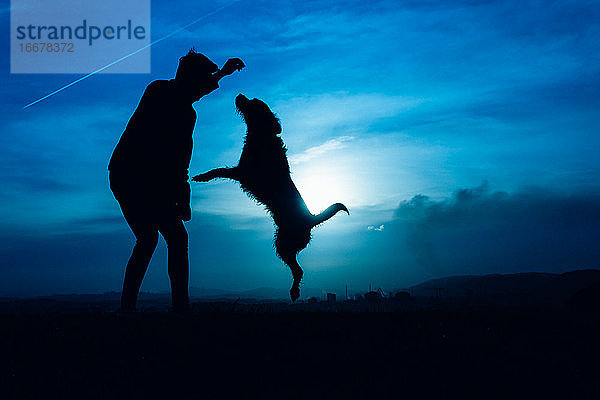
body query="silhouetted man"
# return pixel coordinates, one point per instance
(149, 172)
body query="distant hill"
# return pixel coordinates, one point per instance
(519, 289)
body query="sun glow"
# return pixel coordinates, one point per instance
(321, 187)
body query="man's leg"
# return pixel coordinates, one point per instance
(137, 265)
(176, 237)
(138, 214)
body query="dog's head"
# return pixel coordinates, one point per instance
(259, 118)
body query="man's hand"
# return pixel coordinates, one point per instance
(232, 65)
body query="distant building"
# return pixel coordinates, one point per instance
(373, 297)
(331, 298)
(313, 300)
(403, 295)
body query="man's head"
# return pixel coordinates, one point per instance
(194, 70)
(193, 65)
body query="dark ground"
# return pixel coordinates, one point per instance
(464, 352)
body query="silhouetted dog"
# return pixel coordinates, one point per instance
(264, 175)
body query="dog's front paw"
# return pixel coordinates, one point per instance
(201, 178)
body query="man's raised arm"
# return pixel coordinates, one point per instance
(231, 65)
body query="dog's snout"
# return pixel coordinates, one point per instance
(240, 99)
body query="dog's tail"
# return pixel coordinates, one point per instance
(329, 212)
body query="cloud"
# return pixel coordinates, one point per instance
(54, 165)
(316, 151)
(39, 185)
(379, 228)
(306, 119)
(478, 230)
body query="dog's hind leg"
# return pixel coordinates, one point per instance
(297, 273)
(288, 255)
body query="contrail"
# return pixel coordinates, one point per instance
(131, 54)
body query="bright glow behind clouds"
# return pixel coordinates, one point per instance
(321, 187)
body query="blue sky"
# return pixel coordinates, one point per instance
(463, 136)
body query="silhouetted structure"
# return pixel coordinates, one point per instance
(331, 298)
(264, 174)
(149, 171)
(403, 295)
(373, 297)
